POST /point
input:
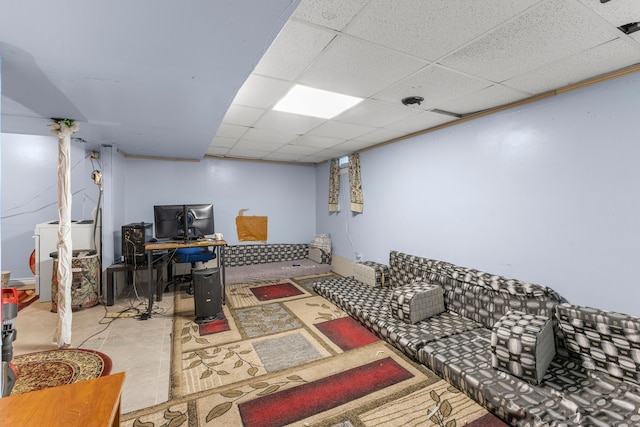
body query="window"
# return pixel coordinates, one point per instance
(343, 164)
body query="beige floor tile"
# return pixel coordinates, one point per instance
(141, 349)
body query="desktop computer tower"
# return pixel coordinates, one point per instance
(134, 238)
(207, 294)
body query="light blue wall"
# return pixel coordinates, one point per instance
(546, 192)
(29, 191)
(283, 193)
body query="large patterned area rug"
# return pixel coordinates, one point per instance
(53, 368)
(293, 358)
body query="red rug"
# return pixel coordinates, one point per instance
(488, 420)
(280, 290)
(321, 395)
(26, 297)
(346, 333)
(213, 327)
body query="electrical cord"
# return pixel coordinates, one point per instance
(108, 323)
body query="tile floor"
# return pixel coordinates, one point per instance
(140, 348)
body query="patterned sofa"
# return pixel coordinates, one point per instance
(272, 261)
(516, 348)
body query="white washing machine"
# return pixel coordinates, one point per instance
(46, 241)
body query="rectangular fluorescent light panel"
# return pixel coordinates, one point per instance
(308, 101)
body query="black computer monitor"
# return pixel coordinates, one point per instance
(183, 222)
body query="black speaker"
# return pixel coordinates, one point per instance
(207, 294)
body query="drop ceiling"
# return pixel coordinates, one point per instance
(170, 81)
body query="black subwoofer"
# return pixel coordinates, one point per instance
(207, 294)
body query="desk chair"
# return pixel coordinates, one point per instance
(193, 256)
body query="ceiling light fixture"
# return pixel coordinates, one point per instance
(309, 101)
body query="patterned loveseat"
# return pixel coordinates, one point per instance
(273, 261)
(514, 347)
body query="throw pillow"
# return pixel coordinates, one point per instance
(417, 301)
(315, 255)
(321, 241)
(523, 345)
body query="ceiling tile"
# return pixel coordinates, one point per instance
(358, 68)
(334, 14)
(293, 123)
(341, 130)
(435, 84)
(430, 29)
(297, 149)
(377, 113)
(261, 92)
(217, 151)
(320, 142)
(243, 116)
(247, 153)
(492, 96)
(541, 35)
(231, 131)
(379, 135)
(607, 57)
(617, 12)
(221, 142)
(323, 155)
(262, 145)
(262, 135)
(295, 48)
(422, 121)
(352, 146)
(285, 157)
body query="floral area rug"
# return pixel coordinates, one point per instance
(296, 360)
(26, 297)
(53, 368)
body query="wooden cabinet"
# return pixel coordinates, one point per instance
(86, 403)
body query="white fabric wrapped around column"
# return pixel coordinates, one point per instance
(63, 128)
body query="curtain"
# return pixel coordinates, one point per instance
(334, 185)
(355, 183)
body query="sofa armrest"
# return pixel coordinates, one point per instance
(371, 273)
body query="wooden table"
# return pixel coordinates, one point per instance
(83, 404)
(162, 245)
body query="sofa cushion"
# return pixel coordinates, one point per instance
(523, 345)
(371, 273)
(321, 241)
(602, 340)
(405, 268)
(315, 255)
(417, 301)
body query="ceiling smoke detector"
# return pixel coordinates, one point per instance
(410, 100)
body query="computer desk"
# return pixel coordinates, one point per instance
(149, 247)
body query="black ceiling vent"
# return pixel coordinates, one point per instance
(410, 100)
(630, 28)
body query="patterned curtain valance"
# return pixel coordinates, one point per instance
(355, 183)
(334, 185)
